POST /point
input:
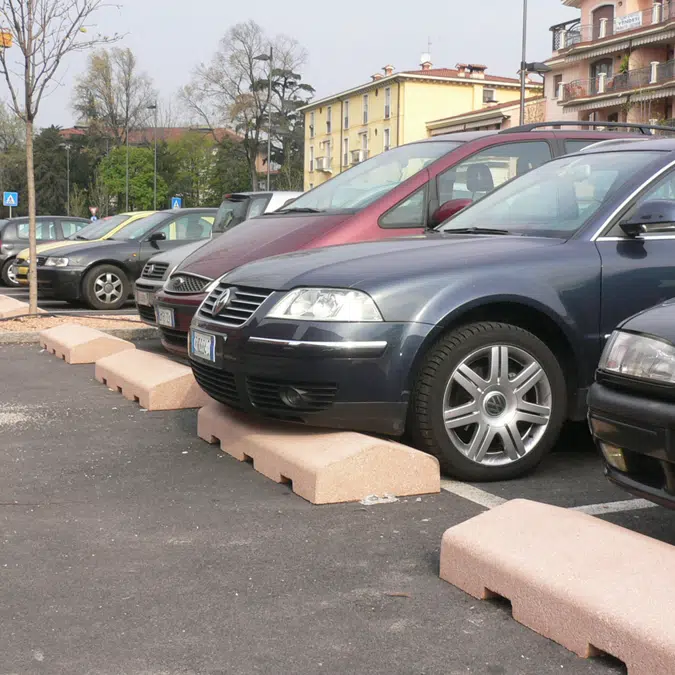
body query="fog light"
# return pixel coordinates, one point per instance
(292, 397)
(614, 456)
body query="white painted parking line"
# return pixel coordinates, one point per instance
(473, 494)
(615, 507)
(489, 501)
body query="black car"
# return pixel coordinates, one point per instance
(14, 238)
(100, 274)
(632, 405)
(479, 340)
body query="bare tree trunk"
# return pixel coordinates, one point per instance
(32, 241)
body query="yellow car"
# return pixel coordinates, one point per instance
(98, 231)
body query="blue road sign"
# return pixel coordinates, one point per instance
(10, 199)
(176, 202)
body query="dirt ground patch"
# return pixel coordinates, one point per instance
(30, 324)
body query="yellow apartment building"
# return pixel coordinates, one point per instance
(392, 109)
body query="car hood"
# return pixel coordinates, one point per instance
(63, 243)
(658, 321)
(374, 264)
(259, 238)
(175, 255)
(89, 248)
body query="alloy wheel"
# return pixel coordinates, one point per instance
(108, 288)
(497, 405)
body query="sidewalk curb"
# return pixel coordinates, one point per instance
(33, 337)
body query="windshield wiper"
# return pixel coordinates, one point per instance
(475, 230)
(306, 209)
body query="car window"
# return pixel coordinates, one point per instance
(663, 190)
(408, 213)
(257, 207)
(70, 227)
(188, 227)
(556, 199)
(44, 230)
(481, 173)
(576, 144)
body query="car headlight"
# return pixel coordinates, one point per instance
(639, 356)
(56, 262)
(326, 304)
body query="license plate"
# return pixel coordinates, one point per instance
(203, 345)
(144, 298)
(165, 317)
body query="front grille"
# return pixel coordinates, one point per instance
(218, 384)
(186, 283)
(146, 313)
(242, 305)
(266, 394)
(174, 337)
(154, 270)
(41, 260)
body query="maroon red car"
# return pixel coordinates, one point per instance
(398, 193)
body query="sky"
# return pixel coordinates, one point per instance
(346, 42)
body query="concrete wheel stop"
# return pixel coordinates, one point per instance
(79, 344)
(587, 584)
(324, 467)
(10, 307)
(156, 382)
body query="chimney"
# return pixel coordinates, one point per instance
(461, 69)
(425, 61)
(477, 70)
(376, 76)
(388, 70)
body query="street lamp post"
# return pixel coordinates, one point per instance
(523, 68)
(154, 107)
(268, 57)
(67, 148)
(126, 181)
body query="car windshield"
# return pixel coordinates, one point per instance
(100, 228)
(141, 227)
(556, 199)
(231, 213)
(364, 183)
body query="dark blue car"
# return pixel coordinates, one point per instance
(477, 340)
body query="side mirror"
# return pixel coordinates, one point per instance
(447, 209)
(157, 236)
(657, 215)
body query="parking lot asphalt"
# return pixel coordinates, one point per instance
(61, 307)
(129, 546)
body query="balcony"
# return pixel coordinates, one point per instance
(652, 76)
(572, 33)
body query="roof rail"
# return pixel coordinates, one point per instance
(642, 128)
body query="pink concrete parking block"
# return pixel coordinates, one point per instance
(324, 467)
(79, 344)
(587, 584)
(156, 382)
(10, 307)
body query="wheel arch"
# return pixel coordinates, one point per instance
(521, 312)
(98, 263)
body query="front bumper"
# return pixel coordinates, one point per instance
(144, 297)
(640, 430)
(183, 308)
(61, 283)
(348, 376)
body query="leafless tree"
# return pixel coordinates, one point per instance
(231, 91)
(44, 32)
(112, 94)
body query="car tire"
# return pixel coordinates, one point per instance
(105, 287)
(7, 277)
(479, 386)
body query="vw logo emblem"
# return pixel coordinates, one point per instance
(178, 281)
(495, 404)
(222, 301)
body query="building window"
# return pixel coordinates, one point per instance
(489, 96)
(345, 152)
(364, 145)
(311, 158)
(557, 81)
(311, 125)
(365, 108)
(387, 139)
(327, 150)
(387, 103)
(346, 110)
(329, 119)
